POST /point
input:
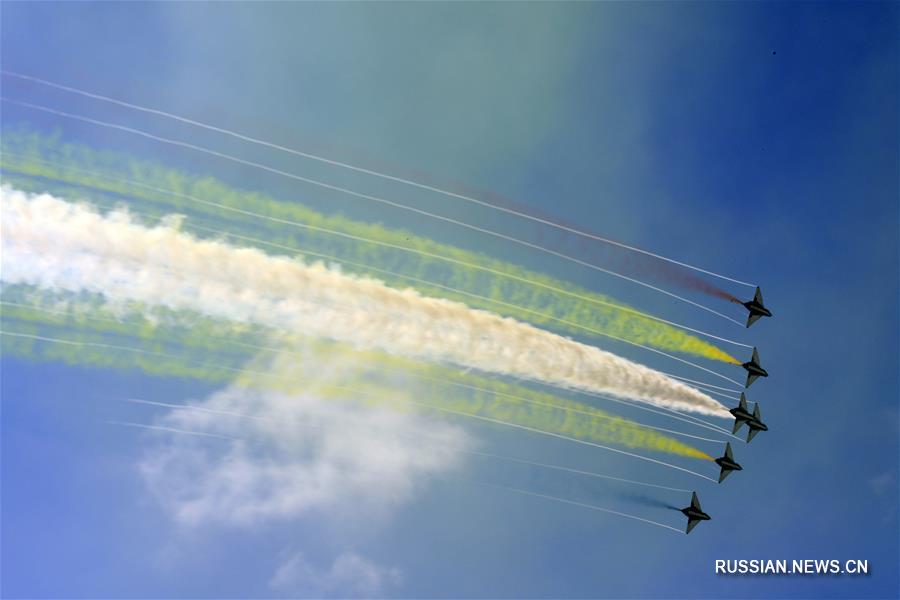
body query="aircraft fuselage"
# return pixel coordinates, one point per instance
(741, 414)
(726, 463)
(755, 369)
(757, 309)
(695, 515)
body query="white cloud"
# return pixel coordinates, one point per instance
(294, 453)
(349, 575)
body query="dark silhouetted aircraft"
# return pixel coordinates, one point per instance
(742, 415)
(694, 513)
(727, 463)
(753, 369)
(756, 308)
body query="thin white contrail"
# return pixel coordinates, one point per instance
(170, 429)
(526, 428)
(451, 260)
(562, 437)
(707, 390)
(495, 393)
(214, 411)
(660, 410)
(358, 169)
(517, 490)
(573, 503)
(364, 393)
(575, 471)
(703, 383)
(328, 186)
(58, 245)
(715, 393)
(356, 264)
(666, 411)
(491, 455)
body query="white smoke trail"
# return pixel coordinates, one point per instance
(56, 245)
(572, 502)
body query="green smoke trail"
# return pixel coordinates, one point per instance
(479, 281)
(180, 344)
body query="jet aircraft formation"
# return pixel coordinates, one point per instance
(741, 413)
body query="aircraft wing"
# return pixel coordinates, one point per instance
(758, 297)
(751, 434)
(728, 451)
(753, 318)
(723, 474)
(751, 377)
(691, 524)
(695, 501)
(737, 425)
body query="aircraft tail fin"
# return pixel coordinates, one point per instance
(695, 501)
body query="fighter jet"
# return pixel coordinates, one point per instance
(756, 308)
(727, 463)
(753, 369)
(742, 415)
(694, 513)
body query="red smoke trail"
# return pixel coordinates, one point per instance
(604, 254)
(663, 268)
(600, 253)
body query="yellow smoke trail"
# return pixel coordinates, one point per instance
(371, 384)
(505, 288)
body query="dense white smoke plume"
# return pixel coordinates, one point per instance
(58, 245)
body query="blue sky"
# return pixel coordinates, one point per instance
(755, 139)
